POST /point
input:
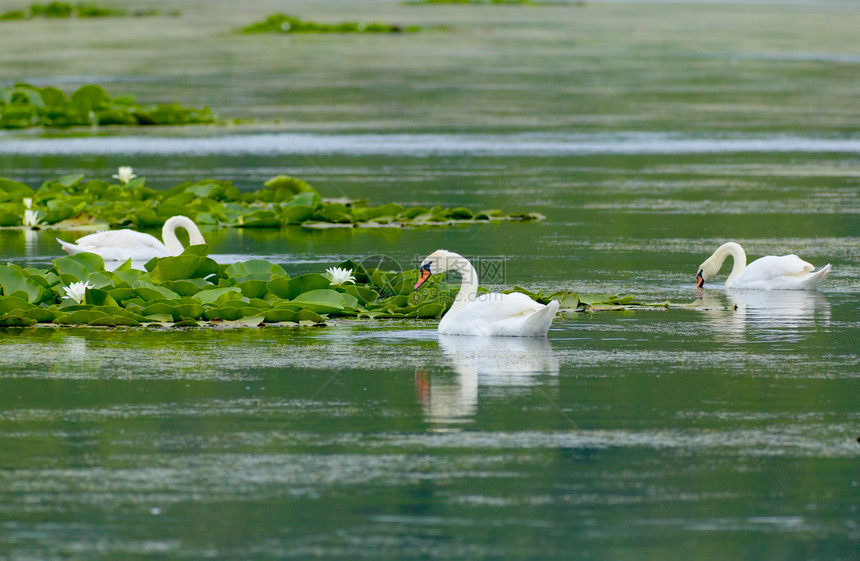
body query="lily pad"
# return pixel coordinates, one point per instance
(187, 287)
(11, 303)
(289, 289)
(223, 313)
(14, 282)
(148, 291)
(41, 315)
(15, 319)
(218, 295)
(185, 266)
(78, 267)
(253, 288)
(277, 315)
(10, 189)
(256, 269)
(81, 317)
(114, 321)
(322, 301)
(296, 214)
(288, 184)
(431, 310)
(188, 311)
(159, 309)
(99, 297)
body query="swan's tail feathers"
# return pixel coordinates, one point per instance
(818, 276)
(69, 248)
(538, 324)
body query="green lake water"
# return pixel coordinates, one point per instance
(647, 134)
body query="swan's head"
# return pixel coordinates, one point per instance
(707, 271)
(712, 264)
(438, 262)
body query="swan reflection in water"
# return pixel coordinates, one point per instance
(768, 315)
(489, 362)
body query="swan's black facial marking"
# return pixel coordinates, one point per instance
(425, 274)
(700, 280)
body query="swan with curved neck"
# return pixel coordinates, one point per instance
(772, 272)
(487, 315)
(120, 245)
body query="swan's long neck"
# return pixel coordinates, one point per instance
(739, 258)
(168, 234)
(468, 285)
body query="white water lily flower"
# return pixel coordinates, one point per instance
(77, 291)
(340, 276)
(28, 202)
(124, 174)
(31, 218)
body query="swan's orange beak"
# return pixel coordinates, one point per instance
(700, 282)
(425, 274)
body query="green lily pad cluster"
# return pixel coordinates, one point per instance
(71, 201)
(66, 10)
(23, 106)
(283, 23)
(573, 302)
(60, 10)
(191, 289)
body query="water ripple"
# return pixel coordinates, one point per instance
(538, 144)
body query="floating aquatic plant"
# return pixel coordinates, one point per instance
(340, 276)
(31, 219)
(71, 201)
(23, 106)
(283, 23)
(192, 289)
(77, 291)
(57, 10)
(124, 174)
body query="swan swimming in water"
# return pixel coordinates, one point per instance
(784, 272)
(487, 315)
(120, 245)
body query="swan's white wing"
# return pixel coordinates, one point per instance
(493, 315)
(120, 238)
(786, 272)
(772, 267)
(495, 307)
(119, 245)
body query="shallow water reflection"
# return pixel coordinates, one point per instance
(767, 315)
(499, 362)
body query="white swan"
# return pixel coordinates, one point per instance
(784, 272)
(120, 245)
(487, 315)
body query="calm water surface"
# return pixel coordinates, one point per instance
(646, 136)
(727, 431)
